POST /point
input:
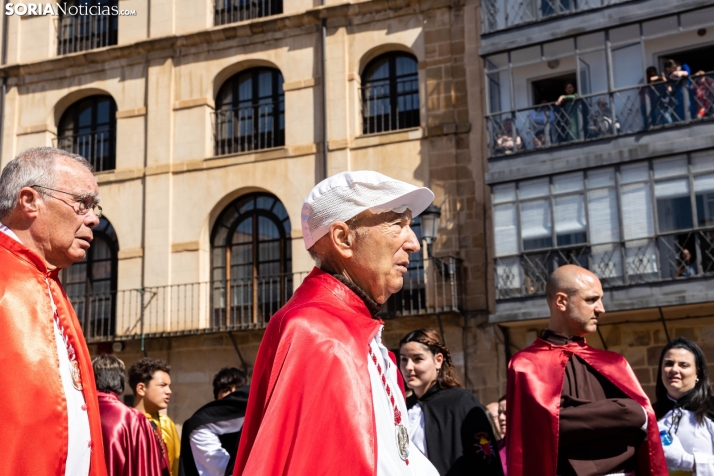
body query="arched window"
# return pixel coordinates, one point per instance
(231, 11)
(251, 261)
(91, 285)
(89, 128)
(250, 112)
(85, 25)
(390, 93)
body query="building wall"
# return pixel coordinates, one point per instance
(168, 188)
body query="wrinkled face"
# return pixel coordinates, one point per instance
(419, 366)
(679, 372)
(502, 417)
(382, 245)
(584, 306)
(63, 234)
(158, 392)
(570, 89)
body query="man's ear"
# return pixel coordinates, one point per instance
(342, 239)
(27, 201)
(561, 301)
(140, 389)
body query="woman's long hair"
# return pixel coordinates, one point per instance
(430, 338)
(699, 400)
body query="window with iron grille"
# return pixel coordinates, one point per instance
(86, 32)
(250, 112)
(232, 11)
(390, 93)
(640, 222)
(251, 264)
(88, 128)
(91, 284)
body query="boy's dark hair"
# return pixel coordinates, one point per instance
(109, 374)
(227, 377)
(501, 399)
(144, 369)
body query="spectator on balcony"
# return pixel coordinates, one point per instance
(654, 99)
(677, 88)
(325, 391)
(151, 383)
(539, 120)
(685, 408)
(509, 141)
(574, 409)
(568, 115)
(447, 423)
(702, 90)
(209, 439)
(51, 423)
(686, 267)
(601, 122)
(130, 447)
(539, 139)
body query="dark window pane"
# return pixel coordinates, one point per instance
(674, 213)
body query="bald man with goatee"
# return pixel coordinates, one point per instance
(575, 410)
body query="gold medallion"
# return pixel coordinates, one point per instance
(402, 441)
(74, 372)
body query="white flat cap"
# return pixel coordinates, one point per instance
(347, 194)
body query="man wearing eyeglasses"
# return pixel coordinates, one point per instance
(49, 411)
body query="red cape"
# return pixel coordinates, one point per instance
(535, 385)
(34, 411)
(130, 447)
(310, 408)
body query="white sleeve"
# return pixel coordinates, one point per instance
(210, 457)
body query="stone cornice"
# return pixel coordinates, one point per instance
(285, 24)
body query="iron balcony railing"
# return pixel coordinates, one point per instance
(430, 287)
(98, 147)
(86, 32)
(624, 111)
(232, 11)
(389, 105)
(244, 129)
(674, 256)
(501, 14)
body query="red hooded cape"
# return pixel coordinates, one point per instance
(130, 447)
(34, 411)
(535, 384)
(310, 408)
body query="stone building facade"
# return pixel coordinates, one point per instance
(208, 123)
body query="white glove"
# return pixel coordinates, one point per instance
(677, 457)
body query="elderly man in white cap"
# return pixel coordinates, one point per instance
(326, 398)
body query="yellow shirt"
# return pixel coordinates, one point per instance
(171, 439)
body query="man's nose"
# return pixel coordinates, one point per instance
(412, 244)
(600, 307)
(91, 219)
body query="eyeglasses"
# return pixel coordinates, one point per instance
(676, 417)
(84, 202)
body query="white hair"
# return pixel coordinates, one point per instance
(32, 167)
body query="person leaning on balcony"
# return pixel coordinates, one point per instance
(574, 409)
(49, 410)
(447, 423)
(685, 409)
(130, 447)
(150, 381)
(326, 396)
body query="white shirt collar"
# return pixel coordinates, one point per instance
(9, 233)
